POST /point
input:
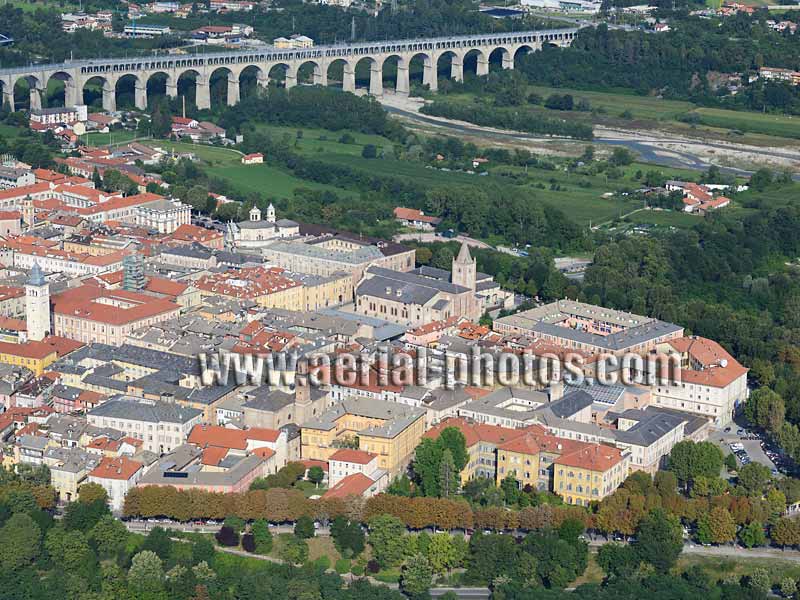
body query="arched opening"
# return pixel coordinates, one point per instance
(500, 58)
(125, 91)
(187, 86)
(363, 72)
(92, 93)
(250, 79)
(449, 69)
(224, 87)
(159, 84)
(336, 73)
(277, 75)
(422, 72)
(24, 96)
(521, 53)
(476, 63)
(392, 73)
(310, 73)
(60, 90)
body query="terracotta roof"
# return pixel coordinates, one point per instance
(524, 444)
(11, 324)
(161, 285)
(30, 349)
(247, 283)
(594, 457)
(213, 455)
(10, 215)
(349, 455)
(206, 436)
(713, 365)
(121, 468)
(412, 214)
(352, 485)
(93, 303)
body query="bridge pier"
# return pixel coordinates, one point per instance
(35, 96)
(109, 97)
(140, 96)
(291, 77)
(320, 76)
(508, 60)
(457, 69)
(402, 85)
(233, 89)
(429, 75)
(375, 80)
(8, 97)
(349, 78)
(172, 89)
(71, 94)
(202, 94)
(483, 66)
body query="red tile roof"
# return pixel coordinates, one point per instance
(121, 468)
(95, 304)
(594, 457)
(352, 485)
(412, 214)
(349, 455)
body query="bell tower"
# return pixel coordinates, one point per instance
(37, 304)
(465, 270)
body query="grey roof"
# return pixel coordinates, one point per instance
(607, 395)
(653, 424)
(550, 319)
(364, 254)
(36, 275)
(570, 404)
(138, 409)
(268, 400)
(396, 417)
(189, 250)
(181, 467)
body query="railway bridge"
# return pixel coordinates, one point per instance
(273, 63)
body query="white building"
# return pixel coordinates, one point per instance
(116, 476)
(348, 461)
(162, 426)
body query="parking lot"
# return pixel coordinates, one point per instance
(750, 447)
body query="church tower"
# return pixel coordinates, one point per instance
(465, 271)
(37, 304)
(255, 214)
(270, 213)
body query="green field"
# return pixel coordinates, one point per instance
(224, 163)
(776, 125)
(324, 141)
(95, 138)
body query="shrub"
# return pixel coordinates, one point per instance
(227, 536)
(373, 566)
(248, 542)
(357, 570)
(323, 562)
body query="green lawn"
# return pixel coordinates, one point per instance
(225, 163)
(323, 141)
(665, 218)
(95, 138)
(768, 124)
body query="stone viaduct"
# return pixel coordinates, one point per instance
(264, 64)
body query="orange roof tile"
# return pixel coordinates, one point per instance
(352, 485)
(350, 455)
(121, 468)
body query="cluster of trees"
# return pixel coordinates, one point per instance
(312, 106)
(89, 554)
(492, 116)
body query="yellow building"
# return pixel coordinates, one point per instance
(390, 430)
(520, 458)
(36, 356)
(591, 473)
